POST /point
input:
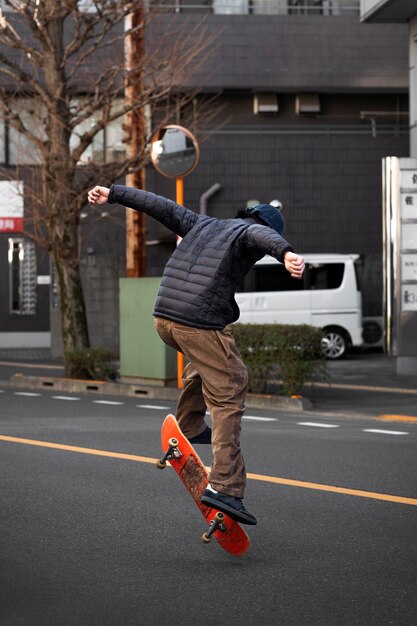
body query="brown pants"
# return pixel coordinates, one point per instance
(215, 378)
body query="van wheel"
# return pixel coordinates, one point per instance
(334, 343)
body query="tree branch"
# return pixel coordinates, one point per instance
(22, 77)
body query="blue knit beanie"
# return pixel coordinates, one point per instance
(269, 215)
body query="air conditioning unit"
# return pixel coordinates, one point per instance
(373, 332)
(265, 104)
(307, 103)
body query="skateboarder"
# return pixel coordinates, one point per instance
(195, 304)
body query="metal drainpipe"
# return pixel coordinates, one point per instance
(206, 195)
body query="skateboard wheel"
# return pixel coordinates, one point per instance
(173, 443)
(205, 538)
(219, 517)
(160, 464)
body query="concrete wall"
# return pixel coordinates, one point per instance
(100, 277)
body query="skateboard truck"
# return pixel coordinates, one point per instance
(172, 453)
(217, 523)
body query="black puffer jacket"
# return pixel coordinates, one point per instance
(210, 262)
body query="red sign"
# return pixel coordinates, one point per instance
(11, 224)
(11, 206)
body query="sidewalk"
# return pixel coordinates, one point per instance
(364, 384)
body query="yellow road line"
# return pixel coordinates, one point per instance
(398, 390)
(398, 418)
(60, 446)
(320, 487)
(269, 479)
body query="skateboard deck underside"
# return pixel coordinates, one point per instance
(192, 472)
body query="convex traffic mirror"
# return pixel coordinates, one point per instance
(174, 151)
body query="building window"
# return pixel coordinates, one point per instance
(18, 149)
(266, 7)
(231, 7)
(87, 6)
(22, 150)
(22, 277)
(107, 145)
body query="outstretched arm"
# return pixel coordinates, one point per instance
(172, 215)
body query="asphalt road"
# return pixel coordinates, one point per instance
(89, 539)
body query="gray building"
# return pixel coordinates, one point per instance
(307, 100)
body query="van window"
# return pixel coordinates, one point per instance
(326, 275)
(276, 278)
(271, 278)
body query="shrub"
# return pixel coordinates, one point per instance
(293, 350)
(90, 364)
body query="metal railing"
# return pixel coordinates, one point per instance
(241, 7)
(261, 7)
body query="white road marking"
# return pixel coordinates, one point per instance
(318, 424)
(65, 398)
(159, 407)
(385, 432)
(260, 419)
(153, 406)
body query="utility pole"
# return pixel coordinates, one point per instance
(135, 220)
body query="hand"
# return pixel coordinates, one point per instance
(98, 195)
(294, 263)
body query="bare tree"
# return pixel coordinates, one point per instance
(64, 80)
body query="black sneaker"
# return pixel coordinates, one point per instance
(234, 507)
(204, 437)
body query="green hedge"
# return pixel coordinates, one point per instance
(90, 364)
(292, 352)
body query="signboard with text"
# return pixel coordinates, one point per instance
(408, 235)
(409, 297)
(11, 206)
(400, 260)
(409, 205)
(409, 267)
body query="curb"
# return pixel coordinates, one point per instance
(254, 401)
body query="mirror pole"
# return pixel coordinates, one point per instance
(179, 186)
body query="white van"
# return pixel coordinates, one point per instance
(328, 296)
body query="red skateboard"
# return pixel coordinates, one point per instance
(189, 467)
